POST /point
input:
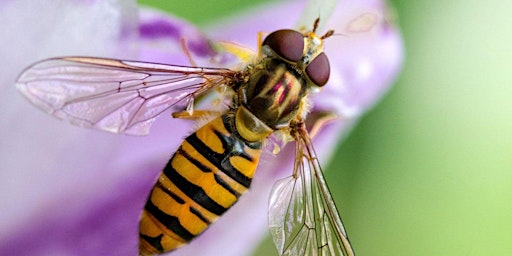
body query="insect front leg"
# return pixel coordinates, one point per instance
(241, 52)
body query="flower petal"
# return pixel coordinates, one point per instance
(160, 35)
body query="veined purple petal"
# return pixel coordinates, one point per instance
(160, 35)
(72, 191)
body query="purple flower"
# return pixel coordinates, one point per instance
(72, 191)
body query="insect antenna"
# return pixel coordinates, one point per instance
(327, 34)
(315, 25)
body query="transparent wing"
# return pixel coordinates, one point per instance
(114, 95)
(303, 219)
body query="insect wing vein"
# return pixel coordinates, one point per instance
(114, 95)
(303, 219)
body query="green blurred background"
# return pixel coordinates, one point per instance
(428, 171)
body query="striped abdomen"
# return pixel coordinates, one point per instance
(212, 168)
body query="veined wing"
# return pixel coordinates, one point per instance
(114, 95)
(303, 218)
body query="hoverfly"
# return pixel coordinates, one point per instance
(214, 165)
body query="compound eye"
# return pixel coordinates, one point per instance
(319, 70)
(286, 43)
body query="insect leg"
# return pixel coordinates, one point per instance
(242, 53)
(184, 47)
(195, 114)
(260, 41)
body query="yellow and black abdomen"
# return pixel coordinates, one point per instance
(212, 168)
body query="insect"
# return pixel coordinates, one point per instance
(214, 165)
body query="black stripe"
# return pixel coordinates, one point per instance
(171, 222)
(225, 185)
(206, 169)
(154, 241)
(194, 161)
(199, 215)
(178, 199)
(237, 146)
(232, 147)
(193, 191)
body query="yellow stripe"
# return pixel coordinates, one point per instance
(168, 184)
(204, 180)
(243, 165)
(167, 204)
(207, 136)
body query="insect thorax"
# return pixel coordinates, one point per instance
(274, 92)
